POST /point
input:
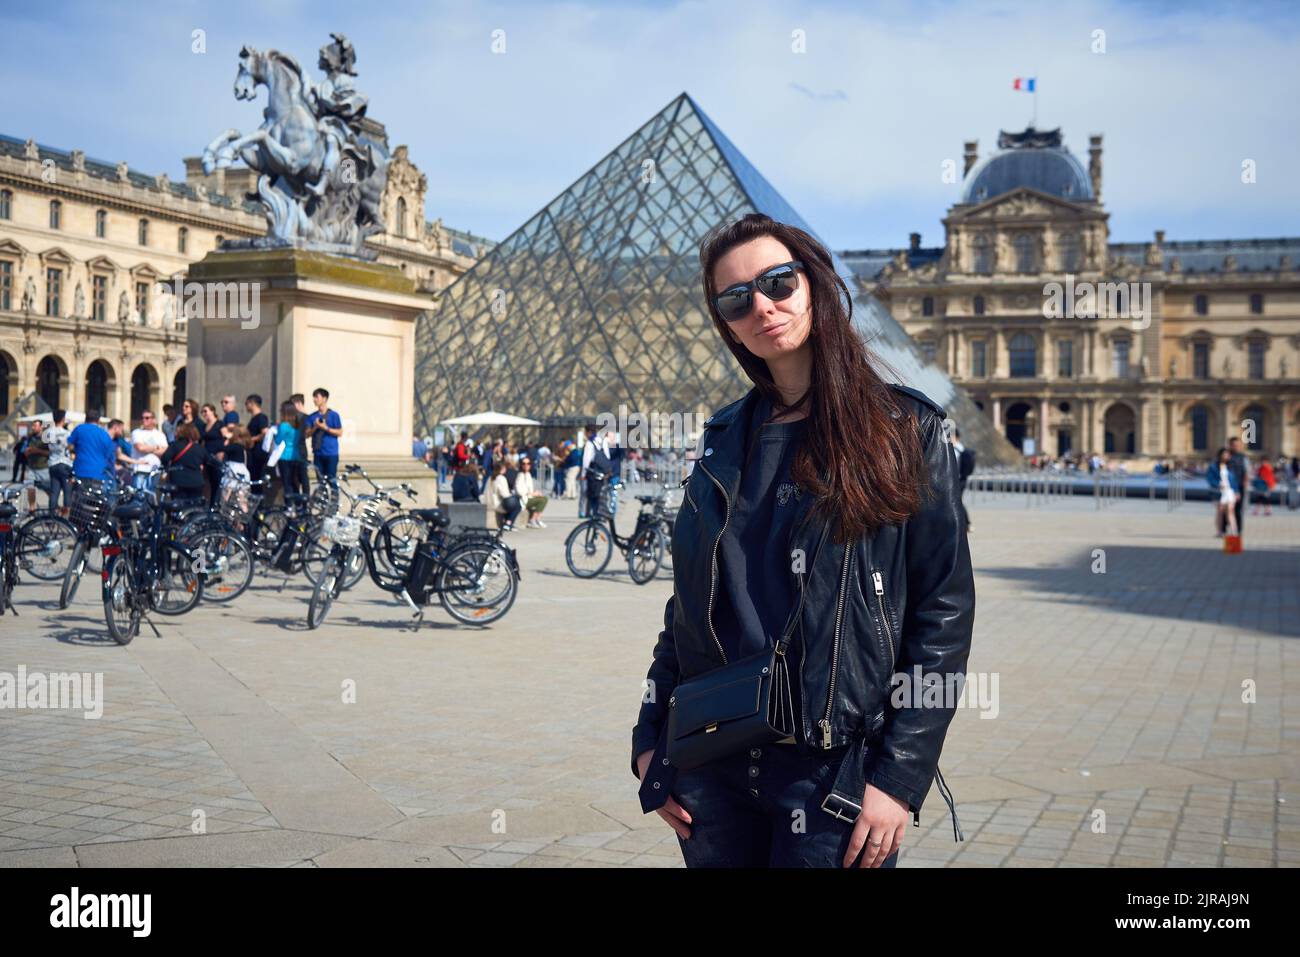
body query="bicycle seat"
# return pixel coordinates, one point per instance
(7, 510)
(130, 511)
(647, 499)
(174, 506)
(433, 516)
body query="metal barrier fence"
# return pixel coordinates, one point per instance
(1040, 486)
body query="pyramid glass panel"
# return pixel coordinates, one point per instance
(595, 302)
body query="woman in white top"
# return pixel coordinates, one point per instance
(504, 502)
(526, 489)
(1222, 479)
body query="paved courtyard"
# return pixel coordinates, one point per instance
(1121, 736)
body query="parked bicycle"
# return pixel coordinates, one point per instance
(8, 547)
(475, 577)
(144, 570)
(92, 503)
(591, 544)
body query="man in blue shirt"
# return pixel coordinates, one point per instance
(95, 450)
(229, 415)
(324, 426)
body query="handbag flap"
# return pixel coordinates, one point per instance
(736, 699)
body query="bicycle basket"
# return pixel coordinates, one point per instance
(89, 506)
(342, 530)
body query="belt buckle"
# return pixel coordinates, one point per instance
(836, 812)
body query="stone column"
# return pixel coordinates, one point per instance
(1042, 427)
(997, 415)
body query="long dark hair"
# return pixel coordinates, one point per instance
(859, 438)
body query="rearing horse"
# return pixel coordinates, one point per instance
(289, 143)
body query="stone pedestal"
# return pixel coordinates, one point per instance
(275, 322)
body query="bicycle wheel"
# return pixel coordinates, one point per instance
(269, 530)
(44, 546)
(227, 564)
(315, 549)
(588, 548)
(396, 541)
(666, 533)
(644, 554)
(72, 576)
(354, 567)
(476, 584)
(322, 596)
(178, 587)
(121, 610)
(4, 582)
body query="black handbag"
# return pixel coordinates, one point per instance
(734, 707)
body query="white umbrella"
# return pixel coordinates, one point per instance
(490, 418)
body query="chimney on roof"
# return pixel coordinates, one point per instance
(1160, 237)
(1094, 164)
(914, 241)
(971, 155)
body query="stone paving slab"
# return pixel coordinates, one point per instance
(1120, 692)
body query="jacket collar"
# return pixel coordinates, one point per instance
(724, 438)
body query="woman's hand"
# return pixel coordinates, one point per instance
(672, 812)
(878, 832)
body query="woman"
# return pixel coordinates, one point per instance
(210, 434)
(185, 460)
(1223, 480)
(852, 550)
(526, 489)
(504, 503)
(288, 439)
(235, 453)
(189, 413)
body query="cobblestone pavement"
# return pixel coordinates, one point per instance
(1121, 736)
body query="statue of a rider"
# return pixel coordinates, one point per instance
(322, 172)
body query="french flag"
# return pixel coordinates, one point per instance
(1025, 83)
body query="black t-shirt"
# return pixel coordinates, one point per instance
(212, 438)
(256, 425)
(234, 452)
(757, 592)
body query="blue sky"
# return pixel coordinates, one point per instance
(853, 132)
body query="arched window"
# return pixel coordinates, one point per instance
(101, 224)
(182, 239)
(6, 204)
(1200, 429)
(1024, 357)
(401, 216)
(219, 240)
(97, 378)
(983, 258)
(927, 306)
(56, 214)
(49, 382)
(1026, 254)
(142, 233)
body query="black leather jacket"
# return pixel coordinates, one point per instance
(882, 605)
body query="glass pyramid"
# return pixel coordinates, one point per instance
(596, 302)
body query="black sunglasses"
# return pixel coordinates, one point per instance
(776, 283)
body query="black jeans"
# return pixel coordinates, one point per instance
(762, 808)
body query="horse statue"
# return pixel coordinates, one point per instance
(321, 174)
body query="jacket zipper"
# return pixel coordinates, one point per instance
(884, 617)
(713, 581)
(825, 722)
